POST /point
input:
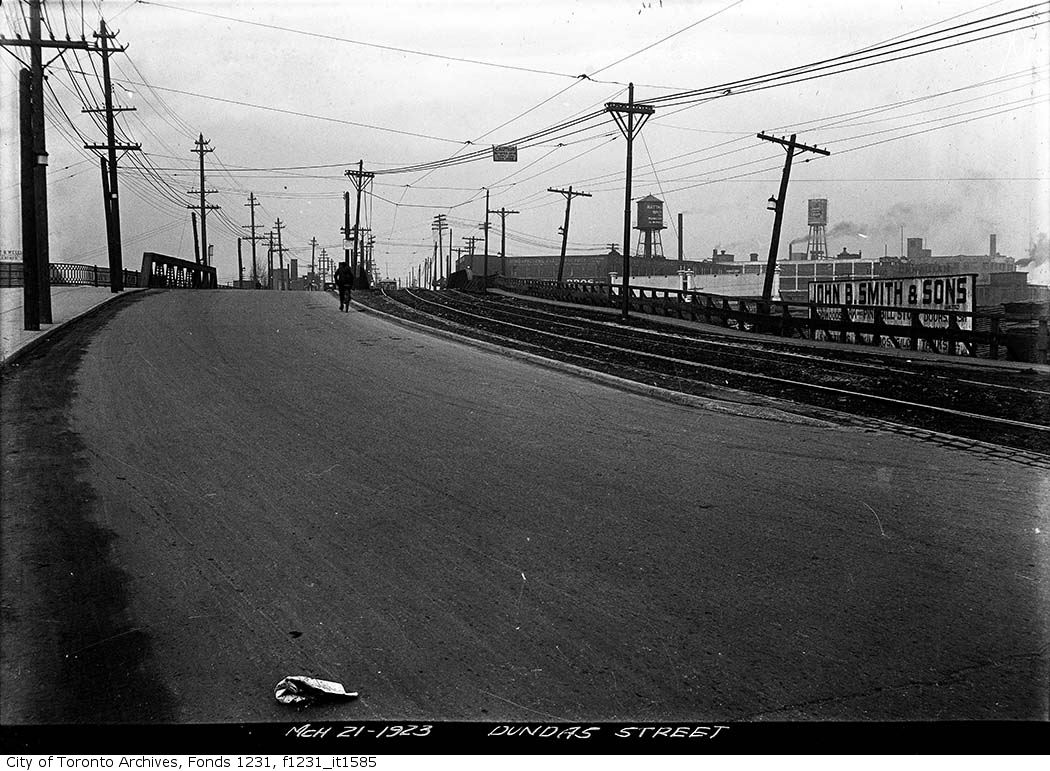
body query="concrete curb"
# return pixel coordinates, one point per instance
(30, 345)
(755, 406)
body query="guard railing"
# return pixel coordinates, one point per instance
(949, 332)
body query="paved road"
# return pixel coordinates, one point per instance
(204, 492)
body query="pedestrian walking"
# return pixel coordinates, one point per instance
(344, 279)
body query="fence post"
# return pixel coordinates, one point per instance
(952, 334)
(914, 331)
(844, 318)
(1041, 342)
(95, 270)
(993, 343)
(785, 320)
(876, 338)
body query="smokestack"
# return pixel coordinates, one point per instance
(991, 246)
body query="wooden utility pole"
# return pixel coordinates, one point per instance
(360, 178)
(485, 227)
(569, 195)
(30, 259)
(440, 224)
(253, 202)
(240, 267)
(630, 130)
(283, 280)
(196, 241)
(503, 213)
(36, 92)
(346, 227)
(370, 264)
(313, 251)
(792, 148)
(471, 241)
(681, 238)
(35, 245)
(269, 263)
(112, 202)
(200, 147)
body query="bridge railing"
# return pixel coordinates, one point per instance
(948, 332)
(160, 270)
(67, 274)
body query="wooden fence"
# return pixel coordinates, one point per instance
(988, 336)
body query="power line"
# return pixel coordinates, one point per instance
(790, 76)
(665, 39)
(297, 113)
(336, 38)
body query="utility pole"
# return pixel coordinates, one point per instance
(471, 241)
(681, 238)
(323, 266)
(569, 195)
(35, 245)
(30, 262)
(792, 148)
(503, 212)
(196, 242)
(485, 228)
(253, 202)
(630, 130)
(240, 267)
(36, 257)
(360, 178)
(269, 263)
(112, 202)
(283, 281)
(346, 227)
(313, 250)
(370, 246)
(39, 159)
(440, 225)
(201, 149)
(448, 263)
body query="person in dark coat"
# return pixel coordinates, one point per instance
(344, 279)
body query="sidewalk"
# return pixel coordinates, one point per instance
(67, 304)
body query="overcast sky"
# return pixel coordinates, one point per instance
(294, 89)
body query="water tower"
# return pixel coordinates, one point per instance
(818, 220)
(650, 221)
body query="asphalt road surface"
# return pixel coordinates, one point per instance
(205, 492)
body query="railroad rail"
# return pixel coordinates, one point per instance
(1008, 408)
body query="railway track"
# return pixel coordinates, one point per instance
(1008, 408)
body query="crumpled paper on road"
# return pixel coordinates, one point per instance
(296, 689)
